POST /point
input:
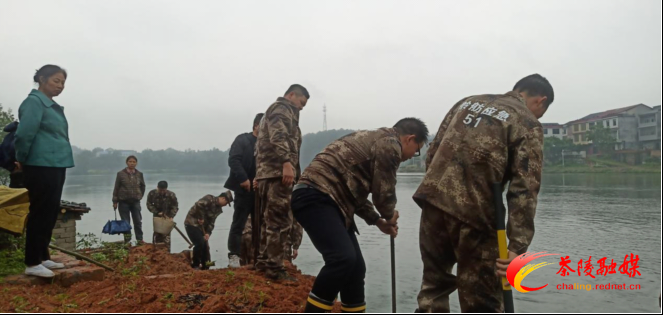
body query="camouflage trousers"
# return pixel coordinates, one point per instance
(295, 233)
(247, 247)
(162, 239)
(288, 252)
(444, 241)
(277, 220)
(246, 250)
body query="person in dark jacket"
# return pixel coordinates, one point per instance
(43, 153)
(243, 170)
(9, 156)
(127, 195)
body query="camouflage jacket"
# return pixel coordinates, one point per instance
(128, 187)
(162, 203)
(356, 165)
(483, 140)
(207, 209)
(279, 140)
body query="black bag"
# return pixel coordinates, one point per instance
(7, 150)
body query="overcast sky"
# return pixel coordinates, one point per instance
(192, 74)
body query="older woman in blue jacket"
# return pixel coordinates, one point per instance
(44, 153)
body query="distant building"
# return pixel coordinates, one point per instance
(623, 123)
(554, 130)
(650, 128)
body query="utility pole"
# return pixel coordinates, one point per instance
(324, 117)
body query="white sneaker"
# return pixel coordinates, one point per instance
(234, 262)
(48, 264)
(40, 271)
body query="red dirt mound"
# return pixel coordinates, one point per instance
(164, 283)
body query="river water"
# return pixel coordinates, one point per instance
(579, 215)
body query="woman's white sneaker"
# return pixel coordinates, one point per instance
(40, 271)
(48, 264)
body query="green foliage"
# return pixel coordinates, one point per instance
(134, 270)
(120, 254)
(230, 275)
(12, 255)
(261, 300)
(245, 289)
(99, 257)
(6, 117)
(97, 161)
(602, 138)
(87, 241)
(314, 143)
(212, 161)
(19, 303)
(553, 150)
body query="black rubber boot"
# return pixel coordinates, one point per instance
(317, 305)
(354, 308)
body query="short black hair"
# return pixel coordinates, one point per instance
(48, 71)
(257, 119)
(535, 85)
(131, 157)
(162, 185)
(298, 89)
(413, 126)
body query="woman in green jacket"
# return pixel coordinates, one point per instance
(44, 153)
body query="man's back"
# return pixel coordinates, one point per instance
(279, 140)
(485, 139)
(241, 161)
(356, 165)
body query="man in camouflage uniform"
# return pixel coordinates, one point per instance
(483, 140)
(162, 203)
(277, 168)
(334, 188)
(200, 223)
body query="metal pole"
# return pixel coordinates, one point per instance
(563, 153)
(394, 280)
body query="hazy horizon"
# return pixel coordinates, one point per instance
(192, 75)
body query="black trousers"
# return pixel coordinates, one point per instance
(197, 237)
(131, 212)
(44, 186)
(16, 180)
(344, 268)
(244, 205)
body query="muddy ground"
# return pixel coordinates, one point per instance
(154, 281)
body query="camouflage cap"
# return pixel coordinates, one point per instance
(228, 195)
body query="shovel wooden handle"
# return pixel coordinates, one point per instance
(183, 236)
(497, 189)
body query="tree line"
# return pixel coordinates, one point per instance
(213, 161)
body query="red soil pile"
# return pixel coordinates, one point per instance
(164, 283)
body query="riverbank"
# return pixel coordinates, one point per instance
(150, 280)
